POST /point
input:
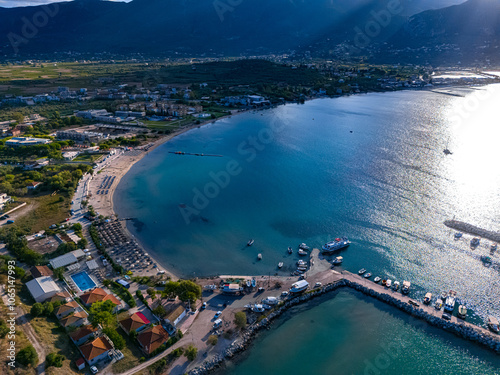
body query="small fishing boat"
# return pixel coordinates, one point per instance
(388, 283)
(254, 283)
(361, 271)
(302, 252)
(280, 264)
(303, 246)
(384, 282)
(259, 256)
(406, 287)
(338, 260)
(300, 262)
(458, 235)
(250, 243)
(444, 295)
(261, 289)
(493, 247)
(462, 312)
(439, 304)
(377, 279)
(290, 250)
(367, 275)
(249, 284)
(395, 286)
(493, 324)
(427, 298)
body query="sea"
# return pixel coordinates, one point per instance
(371, 167)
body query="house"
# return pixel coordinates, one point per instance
(84, 333)
(96, 349)
(63, 260)
(97, 295)
(33, 185)
(43, 288)
(4, 199)
(175, 313)
(134, 322)
(77, 319)
(152, 338)
(39, 271)
(66, 309)
(80, 363)
(61, 296)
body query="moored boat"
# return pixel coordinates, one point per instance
(302, 252)
(406, 287)
(254, 283)
(428, 298)
(259, 256)
(290, 250)
(396, 286)
(462, 312)
(361, 271)
(337, 244)
(449, 303)
(377, 279)
(338, 260)
(303, 246)
(280, 264)
(384, 282)
(439, 304)
(444, 295)
(250, 243)
(388, 283)
(367, 275)
(493, 324)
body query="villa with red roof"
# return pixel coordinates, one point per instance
(152, 338)
(134, 322)
(84, 333)
(96, 350)
(67, 309)
(97, 295)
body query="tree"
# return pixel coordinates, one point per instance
(159, 311)
(191, 352)
(101, 312)
(48, 308)
(118, 340)
(77, 227)
(240, 319)
(54, 359)
(37, 309)
(58, 273)
(151, 292)
(170, 289)
(188, 291)
(27, 356)
(212, 340)
(19, 117)
(82, 243)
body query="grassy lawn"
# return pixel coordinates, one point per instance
(47, 210)
(87, 158)
(131, 352)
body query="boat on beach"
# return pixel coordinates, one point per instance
(254, 283)
(458, 235)
(249, 284)
(337, 244)
(474, 242)
(493, 247)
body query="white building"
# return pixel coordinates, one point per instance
(26, 141)
(43, 288)
(4, 199)
(70, 155)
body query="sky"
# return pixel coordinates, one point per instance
(23, 3)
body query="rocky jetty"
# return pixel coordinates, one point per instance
(472, 229)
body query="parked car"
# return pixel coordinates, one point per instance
(94, 370)
(203, 305)
(10, 221)
(217, 314)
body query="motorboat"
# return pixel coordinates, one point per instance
(299, 286)
(449, 303)
(493, 324)
(367, 275)
(300, 262)
(439, 304)
(249, 283)
(280, 264)
(290, 250)
(462, 312)
(377, 279)
(361, 271)
(338, 260)
(384, 282)
(444, 295)
(337, 244)
(302, 252)
(250, 243)
(254, 283)
(427, 298)
(458, 235)
(303, 246)
(395, 286)
(406, 287)
(258, 308)
(388, 283)
(259, 256)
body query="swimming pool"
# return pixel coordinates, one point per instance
(83, 281)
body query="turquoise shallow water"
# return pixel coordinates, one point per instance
(370, 167)
(352, 334)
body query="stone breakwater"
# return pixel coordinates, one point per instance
(472, 229)
(241, 344)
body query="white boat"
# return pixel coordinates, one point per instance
(303, 246)
(361, 271)
(299, 286)
(406, 287)
(444, 295)
(338, 260)
(427, 298)
(302, 252)
(337, 244)
(395, 286)
(449, 304)
(258, 308)
(249, 283)
(250, 243)
(301, 262)
(270, 301)
(259, 256)
(462, 312)
(439, 304)
(388, 283)
(377, 279)
(290, 250)
(280, 264)
(493, 324)
(367, 275)
(254, 283)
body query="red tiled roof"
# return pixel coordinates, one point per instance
(82, 332)
(134, 322)
(95, 348)
(152, 338)
(80, 361)
(39, 271)
(94, 295)
(112, 298)
(71, 305)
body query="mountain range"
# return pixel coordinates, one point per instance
(377, 29)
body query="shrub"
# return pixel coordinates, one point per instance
(240, 319)
(114, 336)
(27, 356)
(37, 309)
(212, 340)
(54, 359)
(191, 353)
